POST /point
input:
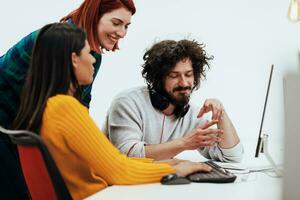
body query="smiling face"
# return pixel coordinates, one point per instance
(179, 82)
(83, 65)
(112, 26)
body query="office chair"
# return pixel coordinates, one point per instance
(41, 174)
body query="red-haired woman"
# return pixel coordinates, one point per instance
(105, 22)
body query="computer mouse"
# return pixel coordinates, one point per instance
(174, 179)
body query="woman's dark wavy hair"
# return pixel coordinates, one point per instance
(50, 72)
(163, 56)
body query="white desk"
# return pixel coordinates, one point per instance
(262, 187)
(257, 186)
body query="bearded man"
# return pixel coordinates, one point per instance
(159, 122)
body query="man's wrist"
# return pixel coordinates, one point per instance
(181, 144)
(222, 118)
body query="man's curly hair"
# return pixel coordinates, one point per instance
(162, 57)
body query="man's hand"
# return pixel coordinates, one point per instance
(229, 138)
(213, 105)
(202, 136)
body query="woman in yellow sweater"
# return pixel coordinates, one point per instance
(50, 106)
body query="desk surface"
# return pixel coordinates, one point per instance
(258, 186)
(247, 187)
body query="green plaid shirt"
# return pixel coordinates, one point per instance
(13, 68)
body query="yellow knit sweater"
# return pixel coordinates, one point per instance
(86, 159)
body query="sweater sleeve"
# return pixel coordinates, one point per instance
(13, 68)
(146, 160)
(234, 154)
(85, 140)
(124, 127)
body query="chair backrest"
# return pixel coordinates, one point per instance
(42, 177)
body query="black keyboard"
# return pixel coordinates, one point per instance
(216, 175)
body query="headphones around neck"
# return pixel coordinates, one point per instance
(161, 102)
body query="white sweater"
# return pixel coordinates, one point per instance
(132, 122)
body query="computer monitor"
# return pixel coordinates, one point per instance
(262, 142)
(259, 146)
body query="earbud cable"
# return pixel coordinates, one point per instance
(162, 129)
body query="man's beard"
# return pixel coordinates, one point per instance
(182, 99)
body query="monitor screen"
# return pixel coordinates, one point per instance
(259, 147)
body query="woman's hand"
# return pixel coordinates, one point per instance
(188, 167)
(172, 161)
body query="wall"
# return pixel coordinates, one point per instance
(245, 37)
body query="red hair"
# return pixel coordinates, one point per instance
(90, 12)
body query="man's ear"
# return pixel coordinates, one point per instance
(74, 58)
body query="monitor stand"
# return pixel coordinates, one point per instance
(264, 149)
